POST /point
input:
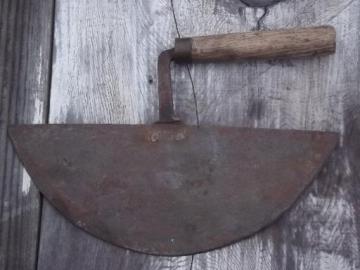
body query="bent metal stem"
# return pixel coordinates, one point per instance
(239, 46)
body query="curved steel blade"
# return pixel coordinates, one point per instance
(170, 189)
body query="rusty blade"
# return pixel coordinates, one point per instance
(170, 189)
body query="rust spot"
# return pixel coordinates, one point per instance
(154, 137)
(179, 136)
(66, 162)
(155, 134)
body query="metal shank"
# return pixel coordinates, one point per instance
(166, 106)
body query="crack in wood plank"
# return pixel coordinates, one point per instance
(260, 22)
(187, 68)
(340, 11)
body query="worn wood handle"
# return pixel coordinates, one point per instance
(265, 44)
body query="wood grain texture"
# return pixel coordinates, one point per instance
(25, 39)
(321, 231)
(297, 42)
(104, 71)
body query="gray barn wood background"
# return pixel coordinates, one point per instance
(94, 61)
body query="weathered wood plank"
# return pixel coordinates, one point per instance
(104, 71)
(25, 43)
(322, 230)
(90, 85)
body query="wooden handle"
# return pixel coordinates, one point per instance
(265, 44)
